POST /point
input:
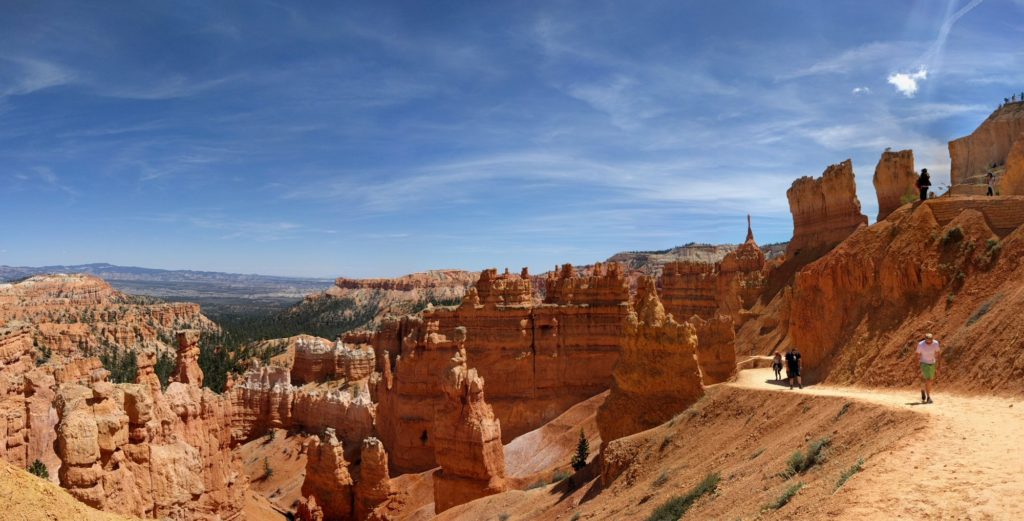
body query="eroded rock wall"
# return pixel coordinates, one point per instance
(656, 376)
(990, 144)
(825, 211)
(894, 181)
(467, 440)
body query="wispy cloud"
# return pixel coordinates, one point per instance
(25, 75)
(42, 177)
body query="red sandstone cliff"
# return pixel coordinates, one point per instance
(656, 375)
(825, 210)
(467, 440)
(894, 181)
(972, 156)
(949, 266)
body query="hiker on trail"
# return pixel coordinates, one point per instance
(923, 183)
(928, 351)
(793, 367)
(777, 366)
(991, 184)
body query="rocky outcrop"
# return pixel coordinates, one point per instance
(125, 450)
(825, 211)
(316, 360)
(1012, 182)
(990, 144)
(374, 487)
(467, 440)
(727, 287)
(539, 359)
(264, 398)
(716, 348)
(187, 369)
(656, 376)
(894, 181)
(72, 315)
(327, 477)
(408, 395)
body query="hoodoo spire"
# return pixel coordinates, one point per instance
(750, 231)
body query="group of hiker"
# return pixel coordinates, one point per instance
(924, 183)
(1013, 98)
(928, 358)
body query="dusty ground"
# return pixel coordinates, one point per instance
(967, 464)
(283, 488)
(24, 497)
(959, 458)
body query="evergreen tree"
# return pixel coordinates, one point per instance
(39, 469)
(579, 460)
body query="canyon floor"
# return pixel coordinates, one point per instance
(959, 458)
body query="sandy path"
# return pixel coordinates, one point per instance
(968, 463)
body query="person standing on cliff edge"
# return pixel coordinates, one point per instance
(793, 366)
(924, 182)
(928, 351)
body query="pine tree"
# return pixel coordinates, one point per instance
(579, 460)
(39, 469)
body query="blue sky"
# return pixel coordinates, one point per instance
(375, 138)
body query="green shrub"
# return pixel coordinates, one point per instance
(786, 496)
(799, 462)
(983, 309)
(164, 366)
(757, 453)
(537, 484)
(38, 468)
(504, 517)
(848, 473)
(675, 507)
(267, 471)
(560, 475)
(661, 479)
(122, 364)
(843, 410)
(575, 517)
(44, 355)
(952, 236)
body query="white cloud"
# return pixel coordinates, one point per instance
(906, 83)
(861, 91)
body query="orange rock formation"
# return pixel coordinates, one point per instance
(125, 449)
(656, 375)
(825, 210)
(706, 290)
(187, 369)
(972, 156)
(374, 486)
(327, 477)
(467, 440)
(894, 180)
(716, 348)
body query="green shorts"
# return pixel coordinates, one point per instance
(928, 371)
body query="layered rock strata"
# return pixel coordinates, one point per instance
(656, 376)
(467, 440)
(706, 290)
(374, 489)
(894, 181)
(71, 315)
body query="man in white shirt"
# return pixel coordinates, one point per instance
(928, 351)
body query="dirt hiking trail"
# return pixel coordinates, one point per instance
(968, 463)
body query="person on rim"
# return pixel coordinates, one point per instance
(924, 182)
(928, 353)
(793, 367)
